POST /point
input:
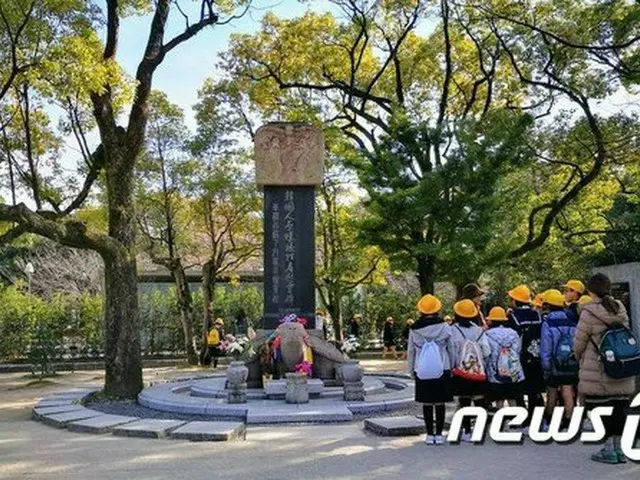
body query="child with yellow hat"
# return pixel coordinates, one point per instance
(504, 370)
(574, 290)
(527, 322)
(214, 338)
(470, 348)
(429, 361)
(559, 363)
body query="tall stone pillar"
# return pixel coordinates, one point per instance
(289, 166)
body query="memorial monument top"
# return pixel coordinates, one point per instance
(289, 154)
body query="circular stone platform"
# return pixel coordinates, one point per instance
(207, 397)
(215, 388)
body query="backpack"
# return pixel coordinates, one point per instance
(213, 339)
(429, 365)
(507, 364)
(470, 365)
(564, 358)
(530, 337)
(619, 352)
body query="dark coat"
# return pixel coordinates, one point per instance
(354, 329)
(387, 333)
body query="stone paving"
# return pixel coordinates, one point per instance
(77, 418)
(30, 450)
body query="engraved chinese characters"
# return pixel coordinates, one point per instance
(289, 165)
(289, 253)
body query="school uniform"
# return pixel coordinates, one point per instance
(528, 324)
(431, 328)
(388, 337)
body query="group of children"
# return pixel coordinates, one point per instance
(547, 344)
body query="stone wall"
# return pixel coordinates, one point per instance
(627, 273)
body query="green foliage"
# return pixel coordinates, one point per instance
(48, 330)
(68, 326)
(622, 242)
(446, 211)
(381, 302)
(159, 315)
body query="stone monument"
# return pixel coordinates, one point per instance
(289, 166)
(289, 161)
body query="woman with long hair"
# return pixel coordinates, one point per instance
(599, 389)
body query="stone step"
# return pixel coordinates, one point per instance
(101, 424)
(61, 420)
(200, 431)
(305, 413)
(38, 413)
(395, 426)
(148, 428)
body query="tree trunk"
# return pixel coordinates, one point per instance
(335, 310)
(123, 361)
(426, 274)
(186, 310)
(208, 289)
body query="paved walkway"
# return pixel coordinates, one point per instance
(32, 450)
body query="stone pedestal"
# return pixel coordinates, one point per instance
(277, 389)
(237, 374)
(353, 392)
(297, 388)
(237, 393)
(352, 374)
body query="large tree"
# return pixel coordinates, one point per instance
(121, 142)
(437, 120)
(227, 204)
(164, 213)
(343, 262)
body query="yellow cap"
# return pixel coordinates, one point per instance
(521, 293)
(585, 299)
(576, 286)
(429, 305)
(550, 292)
(219, 321)
(497, 314)
(466, 309)
(554, 298)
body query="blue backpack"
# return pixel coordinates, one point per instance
(564, 358)
(619, 352)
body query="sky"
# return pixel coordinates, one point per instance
(185, 69)
(183, 72)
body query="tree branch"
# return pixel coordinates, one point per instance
(70, 233)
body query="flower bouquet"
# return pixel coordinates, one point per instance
(237, 347)
(350, 346)
(304, 367)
